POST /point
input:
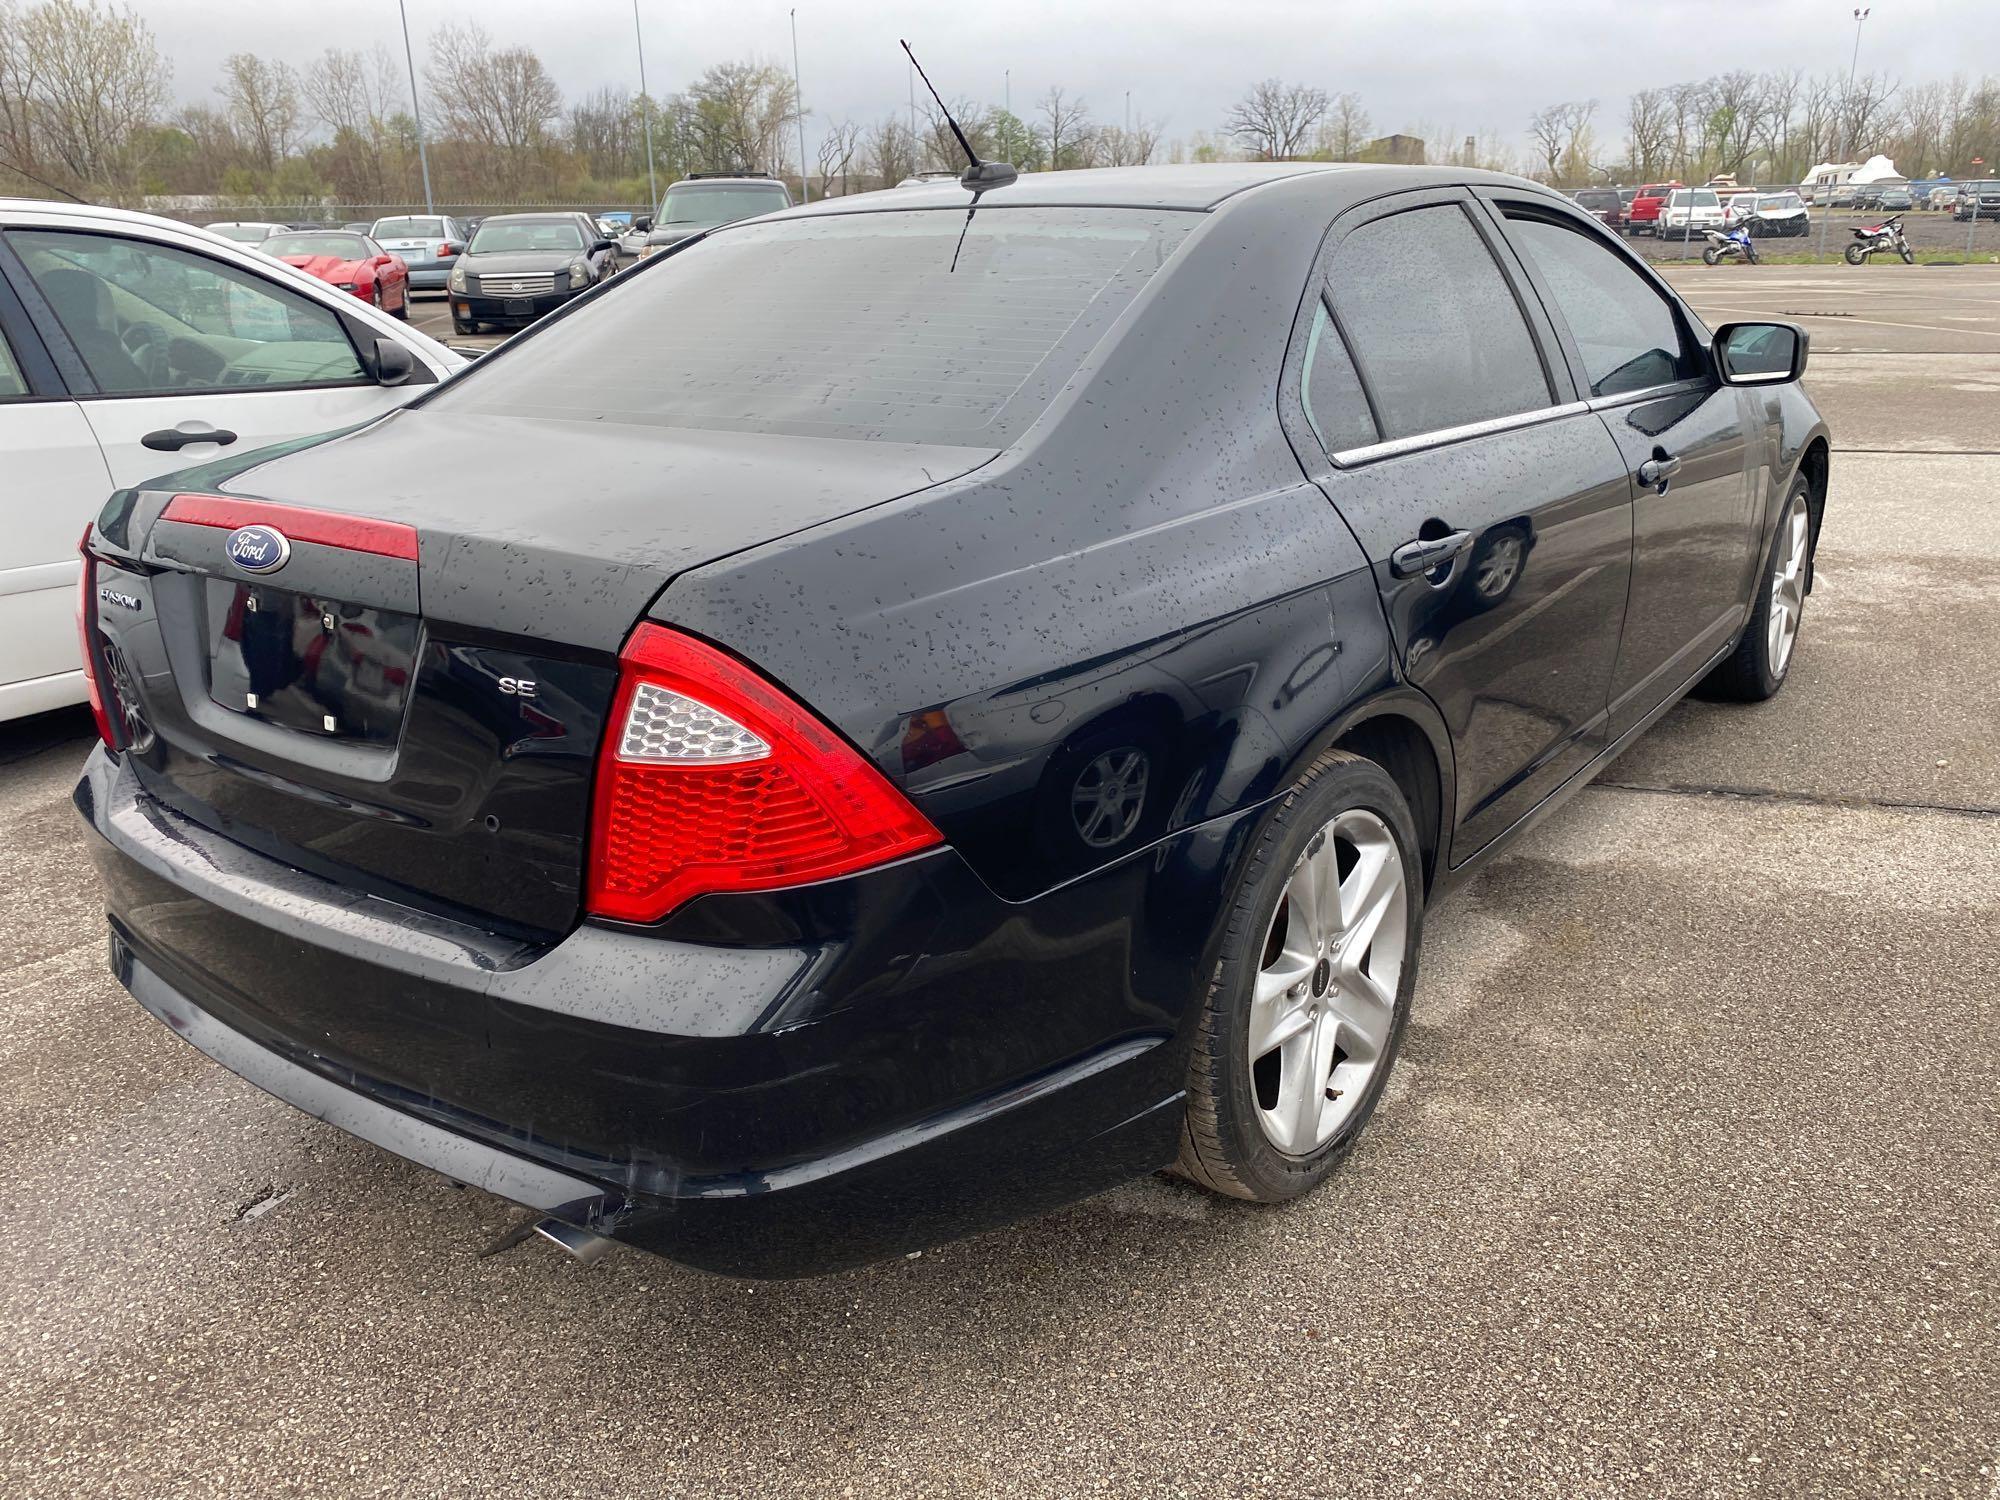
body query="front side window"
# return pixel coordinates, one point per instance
(1433, 324)
(553, 235)
(1628, 335)
(844, 325)
(705, 207)
(147, 318)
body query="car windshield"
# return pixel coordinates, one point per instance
(247, 234)
(552, 235)
(845, 326)
(408, 229)
(346, 246)
(1782, 200)
(708, 204)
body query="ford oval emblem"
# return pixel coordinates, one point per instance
(258, 549)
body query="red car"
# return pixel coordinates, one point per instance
(351, 262)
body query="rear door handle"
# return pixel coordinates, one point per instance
(173, 439)
(1426, 553)
(1656, 471)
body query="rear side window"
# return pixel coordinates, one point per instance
(1628, 335)
(845, 325)
(1434, 326)
(12, 385)
(1330, 391)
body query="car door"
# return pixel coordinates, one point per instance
(54, 482)
(1439, 418)
(1686, 443)
(175, 356)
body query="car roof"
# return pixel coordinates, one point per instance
(1202, 187)
(571, 214)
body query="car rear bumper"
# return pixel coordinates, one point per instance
(764, 1104)
(430, 276)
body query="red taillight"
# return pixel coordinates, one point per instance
(711, 779)
(445, 252)
(86, 631)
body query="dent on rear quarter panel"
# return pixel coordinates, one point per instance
(1147, 574)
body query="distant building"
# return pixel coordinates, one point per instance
(1402, 150)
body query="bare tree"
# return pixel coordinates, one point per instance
(1275, 119)
(499, 106)
(79, 88)
(1546, 128)
(1864, 112)
(838, 144)
(1649, 127)
(890, 152)
(263, 103)
(938, 142)
(741, 114)
(603, 133)
(1066, 127)
(1344, 132)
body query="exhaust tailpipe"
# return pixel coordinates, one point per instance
(581, 1244)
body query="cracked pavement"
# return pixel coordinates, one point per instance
(1686, 1185)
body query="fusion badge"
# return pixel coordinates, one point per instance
(258, 549)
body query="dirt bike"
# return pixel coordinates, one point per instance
(1888, 235)
(1735, 245)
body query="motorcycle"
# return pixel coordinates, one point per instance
(1888, 235)
(1734, 245)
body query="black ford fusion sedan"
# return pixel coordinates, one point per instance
(978, 714)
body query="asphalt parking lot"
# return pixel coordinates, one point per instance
(1688, 1184)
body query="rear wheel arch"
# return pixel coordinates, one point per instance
(1406, 750)
(1815, 464)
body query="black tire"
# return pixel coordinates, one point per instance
(1909, 255)
(1855, 254)
(402, 308)
(1747, 674)
(1223, 1147)
(1710, 256)
(461, 327)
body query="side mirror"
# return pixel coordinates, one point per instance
(644, 224)
(1760, 353)
(394, 363)
(603, 245)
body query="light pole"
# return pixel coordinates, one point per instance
(417, 104)
(646, 103)
(1860, 15)
(799, 103)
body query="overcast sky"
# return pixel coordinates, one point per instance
(1447, 64)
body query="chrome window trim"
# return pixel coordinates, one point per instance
(1650, 393)
(1349, 458)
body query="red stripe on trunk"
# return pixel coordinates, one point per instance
(323, 528)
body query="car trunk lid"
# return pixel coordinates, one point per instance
(387, 658)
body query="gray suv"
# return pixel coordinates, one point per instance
(702, 201)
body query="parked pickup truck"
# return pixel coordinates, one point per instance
(1643, 217)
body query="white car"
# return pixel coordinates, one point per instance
(132, 346)
(1688, 211)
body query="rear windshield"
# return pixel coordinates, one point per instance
(1597, 198)
(846, 326)
(408, 229)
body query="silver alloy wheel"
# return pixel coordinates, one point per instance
(1324, 1005)
(1788, 587)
